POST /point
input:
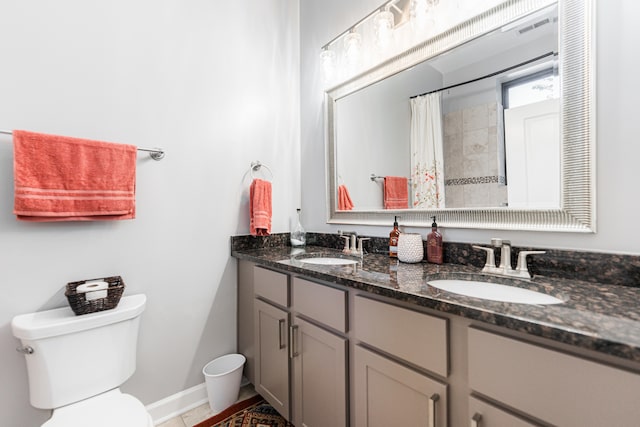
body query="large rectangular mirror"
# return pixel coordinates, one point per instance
(489, 125)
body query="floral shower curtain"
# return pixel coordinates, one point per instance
(427, 170)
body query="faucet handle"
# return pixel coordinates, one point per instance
(360, 248)
(522, 269)
(490, 264)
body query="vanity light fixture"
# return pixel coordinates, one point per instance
(348, 45)
(381, 30)
(378, 36)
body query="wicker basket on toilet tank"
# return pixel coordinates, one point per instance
(95, 300)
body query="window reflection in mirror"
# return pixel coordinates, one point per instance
(531, 88)
(532, 139)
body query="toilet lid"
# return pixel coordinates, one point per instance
(109, 409)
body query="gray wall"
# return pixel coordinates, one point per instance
(616, 128)
(216, 84)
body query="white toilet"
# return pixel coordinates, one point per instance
(76, 364)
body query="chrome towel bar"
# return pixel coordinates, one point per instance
(154, 153)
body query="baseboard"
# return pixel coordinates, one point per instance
(177, 404)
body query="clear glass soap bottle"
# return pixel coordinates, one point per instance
(298, 235)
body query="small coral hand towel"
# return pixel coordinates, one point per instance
(59, 178)
(260, 208)
(344, 199)
(396, 192)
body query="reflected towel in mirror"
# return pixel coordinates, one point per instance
(396, 193)
(344, 199)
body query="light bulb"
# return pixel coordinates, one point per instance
(383, 24)
(419, 10)
(353, 46)
(328, 60)
(418, 7)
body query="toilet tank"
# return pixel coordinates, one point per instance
(77, 357)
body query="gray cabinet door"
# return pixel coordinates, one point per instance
(390, 394)
(320, 376)
(271, 355)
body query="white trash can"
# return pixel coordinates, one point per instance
(222, 377)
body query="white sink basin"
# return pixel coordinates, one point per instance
(328, 261)
(494, 291)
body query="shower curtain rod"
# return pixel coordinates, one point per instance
(154, 153)
(488, 75)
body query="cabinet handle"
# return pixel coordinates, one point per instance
(280, 327)
(475, 420)
(292, 345)
(432, 409)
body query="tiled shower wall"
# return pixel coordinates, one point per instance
(471, 158)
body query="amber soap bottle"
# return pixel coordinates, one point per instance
(434, 244)
(393, 239)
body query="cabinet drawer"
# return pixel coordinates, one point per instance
(418, 338)
(550, 385)
(322, 303)
(271, 285)
(482, 414)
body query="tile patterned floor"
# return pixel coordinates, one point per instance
(202, 412)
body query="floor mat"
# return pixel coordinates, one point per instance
(252, 412)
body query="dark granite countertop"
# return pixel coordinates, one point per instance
(600, 317)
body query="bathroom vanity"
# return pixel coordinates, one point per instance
(372, 343)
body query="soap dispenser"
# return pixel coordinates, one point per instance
(434, 244)
(298, 235)
(393, 239)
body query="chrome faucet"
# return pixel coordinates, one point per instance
(350, 238)
(505, 268)
(352, 244)
(343, 233)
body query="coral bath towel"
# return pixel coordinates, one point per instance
(396, 192)
(59, 178)
(344, 199)
(260, 208)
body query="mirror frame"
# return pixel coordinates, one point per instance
(577, 73)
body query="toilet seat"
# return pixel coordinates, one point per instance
(109, 409)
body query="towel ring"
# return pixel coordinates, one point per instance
(256, 166)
